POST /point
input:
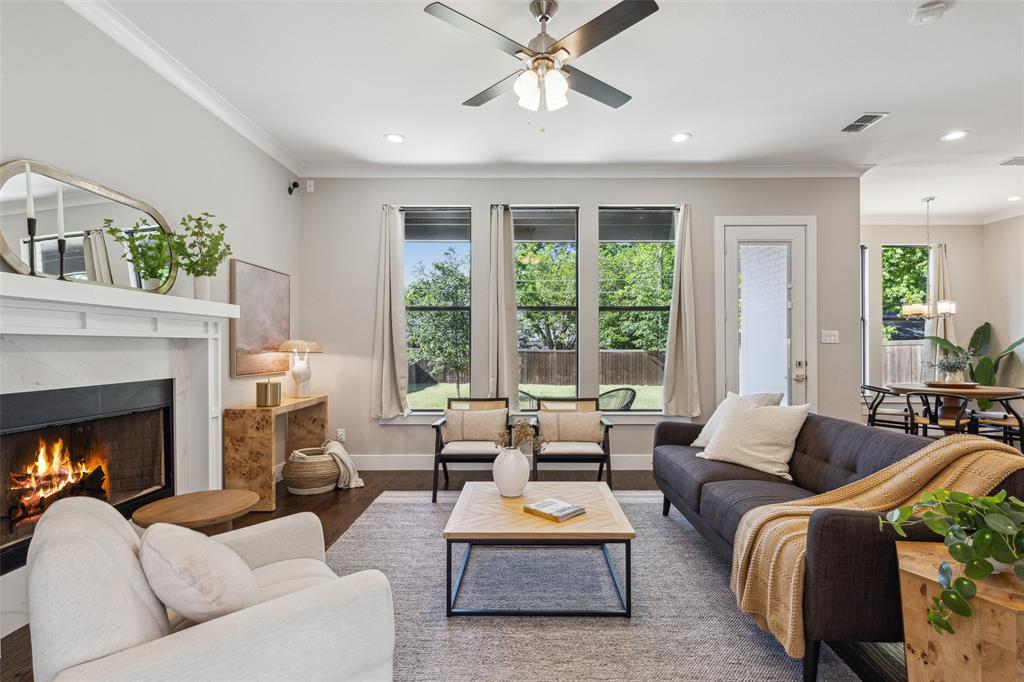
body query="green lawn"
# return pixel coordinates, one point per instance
(435, 396)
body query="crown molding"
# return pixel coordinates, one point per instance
(1014, 211)
(122, 31)
(550, 171)
(914, 220)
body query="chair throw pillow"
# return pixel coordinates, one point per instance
(760, 438)
(581, 427)
(195, 575)
(761, 399)
(473, 424)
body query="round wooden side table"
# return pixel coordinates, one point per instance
(208, 511)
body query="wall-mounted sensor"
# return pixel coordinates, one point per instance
(292, 187)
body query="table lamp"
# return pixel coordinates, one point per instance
(300, 365)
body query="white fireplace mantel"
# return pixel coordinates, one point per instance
(56, 334)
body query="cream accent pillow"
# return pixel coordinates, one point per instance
(761, 399)
(473, 424)
(759, 438)
(194, 575)
(580, 427)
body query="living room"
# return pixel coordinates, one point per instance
(356, 323)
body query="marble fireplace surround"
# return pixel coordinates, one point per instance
(57, 334)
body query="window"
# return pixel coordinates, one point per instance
(437, 297)
(546, 301)
(636, 258)
(904, 280)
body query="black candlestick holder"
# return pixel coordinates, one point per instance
(32, 247)
(62, 245)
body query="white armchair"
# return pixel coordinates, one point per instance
(93, 616)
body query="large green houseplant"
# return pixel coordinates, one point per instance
(983, 368)
(982, 535)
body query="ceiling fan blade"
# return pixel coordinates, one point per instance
(496, 90)
(605, 26)
(585, 84)
(459, 20)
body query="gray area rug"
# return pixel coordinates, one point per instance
(685, 623)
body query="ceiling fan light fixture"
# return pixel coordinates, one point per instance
(555, 87)
(527, 88)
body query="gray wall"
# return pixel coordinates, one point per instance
(339, 265)
(74, 99)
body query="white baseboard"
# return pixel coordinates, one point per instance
(410, 462)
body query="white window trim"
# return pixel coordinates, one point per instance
(810, 224)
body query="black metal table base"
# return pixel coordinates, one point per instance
(625, 592)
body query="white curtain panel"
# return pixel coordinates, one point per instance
(502, 339)
(390, 383)
(679, 390)
(939, 289)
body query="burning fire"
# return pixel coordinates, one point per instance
(52, 472)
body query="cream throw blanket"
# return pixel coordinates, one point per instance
(771, 541)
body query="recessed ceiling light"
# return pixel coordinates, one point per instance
(396, 138)
(1016, 198)
(955, 135)
(681, 137)
(928, 13)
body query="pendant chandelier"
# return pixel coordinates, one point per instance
(924, 310)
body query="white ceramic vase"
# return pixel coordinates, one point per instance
(151, 284)
(511, 472)
(201, 287)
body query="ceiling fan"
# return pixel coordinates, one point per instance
(547, 76)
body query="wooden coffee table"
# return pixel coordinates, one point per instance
(483, 517)
(208, 511)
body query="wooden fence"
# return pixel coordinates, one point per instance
(901, 362)
(558, 368)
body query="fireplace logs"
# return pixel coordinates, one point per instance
(54, 475)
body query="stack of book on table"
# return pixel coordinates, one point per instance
(554, 510)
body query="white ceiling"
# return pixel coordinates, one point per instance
(757, 83)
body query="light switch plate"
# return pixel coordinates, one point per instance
(829, 336)
(310, 185)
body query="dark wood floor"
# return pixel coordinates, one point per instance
(337, 511)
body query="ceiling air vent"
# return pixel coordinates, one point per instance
(1013, 161)
(866, 121)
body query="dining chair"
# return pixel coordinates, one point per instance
(527, 401)
(478, 450)
(945, 411)
(596, 451)
(1004, 425)
(878, 414)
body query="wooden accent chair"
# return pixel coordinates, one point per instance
(572, 451)
(464, 451)
(949, 413)
(884, 417)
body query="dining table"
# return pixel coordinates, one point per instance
(1004, 395)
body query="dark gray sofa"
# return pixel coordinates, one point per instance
(851, 585)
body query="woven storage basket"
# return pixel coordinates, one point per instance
(316, 473)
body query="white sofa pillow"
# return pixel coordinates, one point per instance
(762, 399)
(194, 575)
(760, 438)
(473, 424)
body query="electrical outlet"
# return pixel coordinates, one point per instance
(309, 185)
(341, 435)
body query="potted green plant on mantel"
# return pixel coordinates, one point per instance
(983, 535)
(147, 247)
(200, 248)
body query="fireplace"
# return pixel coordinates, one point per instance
(112, 442)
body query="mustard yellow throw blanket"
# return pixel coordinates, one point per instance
(771, 541)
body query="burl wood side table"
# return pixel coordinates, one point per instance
(208, 511)
(250, 442)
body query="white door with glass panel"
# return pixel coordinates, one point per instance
(763, 289)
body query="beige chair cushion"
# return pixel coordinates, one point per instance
(194, 575)
(570, 426)
(473, 425)
(571, 448)
(470, 447)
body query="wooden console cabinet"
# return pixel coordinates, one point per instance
(250, 442)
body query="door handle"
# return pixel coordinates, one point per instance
(800, 378)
